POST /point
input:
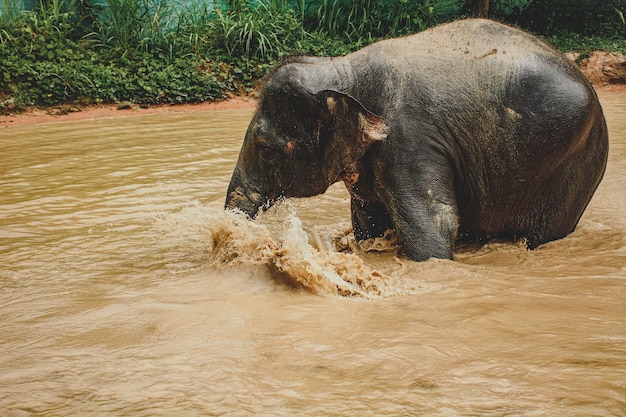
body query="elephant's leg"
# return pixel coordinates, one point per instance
(425, 229)
(422, 205)
(369, 219)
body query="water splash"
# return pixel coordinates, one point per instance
(278, 241)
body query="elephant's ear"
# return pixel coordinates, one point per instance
(347, 130)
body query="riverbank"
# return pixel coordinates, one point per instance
(73, 113)
(606, 71)
(601, 68)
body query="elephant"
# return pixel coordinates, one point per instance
(466, 132)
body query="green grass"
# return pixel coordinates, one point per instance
(176, 51)
(573, 42)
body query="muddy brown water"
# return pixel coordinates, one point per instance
(125, 290)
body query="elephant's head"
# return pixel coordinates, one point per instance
(298, 143)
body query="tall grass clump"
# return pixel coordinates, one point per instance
(192, 33)
(126, 26)
(266, 29)
(366, 20)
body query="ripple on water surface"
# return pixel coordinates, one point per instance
(123, 295)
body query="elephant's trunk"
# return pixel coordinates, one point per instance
(240, 196)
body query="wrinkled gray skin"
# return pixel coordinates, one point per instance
(469, 131)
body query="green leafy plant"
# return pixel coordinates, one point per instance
(127, 25)
(363, 21)
(264, 31)
(174, 51)
(330, 17)
(410, 17)
(10, 10)
(192, 27)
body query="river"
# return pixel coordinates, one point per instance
(126, 290)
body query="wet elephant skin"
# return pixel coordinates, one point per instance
(468, 131)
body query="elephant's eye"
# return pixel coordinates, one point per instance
(266, 152)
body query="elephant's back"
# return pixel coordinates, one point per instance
(472, 50)
(470, 38)
(488, 86)
(477, 62)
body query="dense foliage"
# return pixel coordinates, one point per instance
(175, 51)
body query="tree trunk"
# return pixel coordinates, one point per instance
(479, 8)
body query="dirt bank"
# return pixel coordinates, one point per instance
(601, 68)
(70, 113)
